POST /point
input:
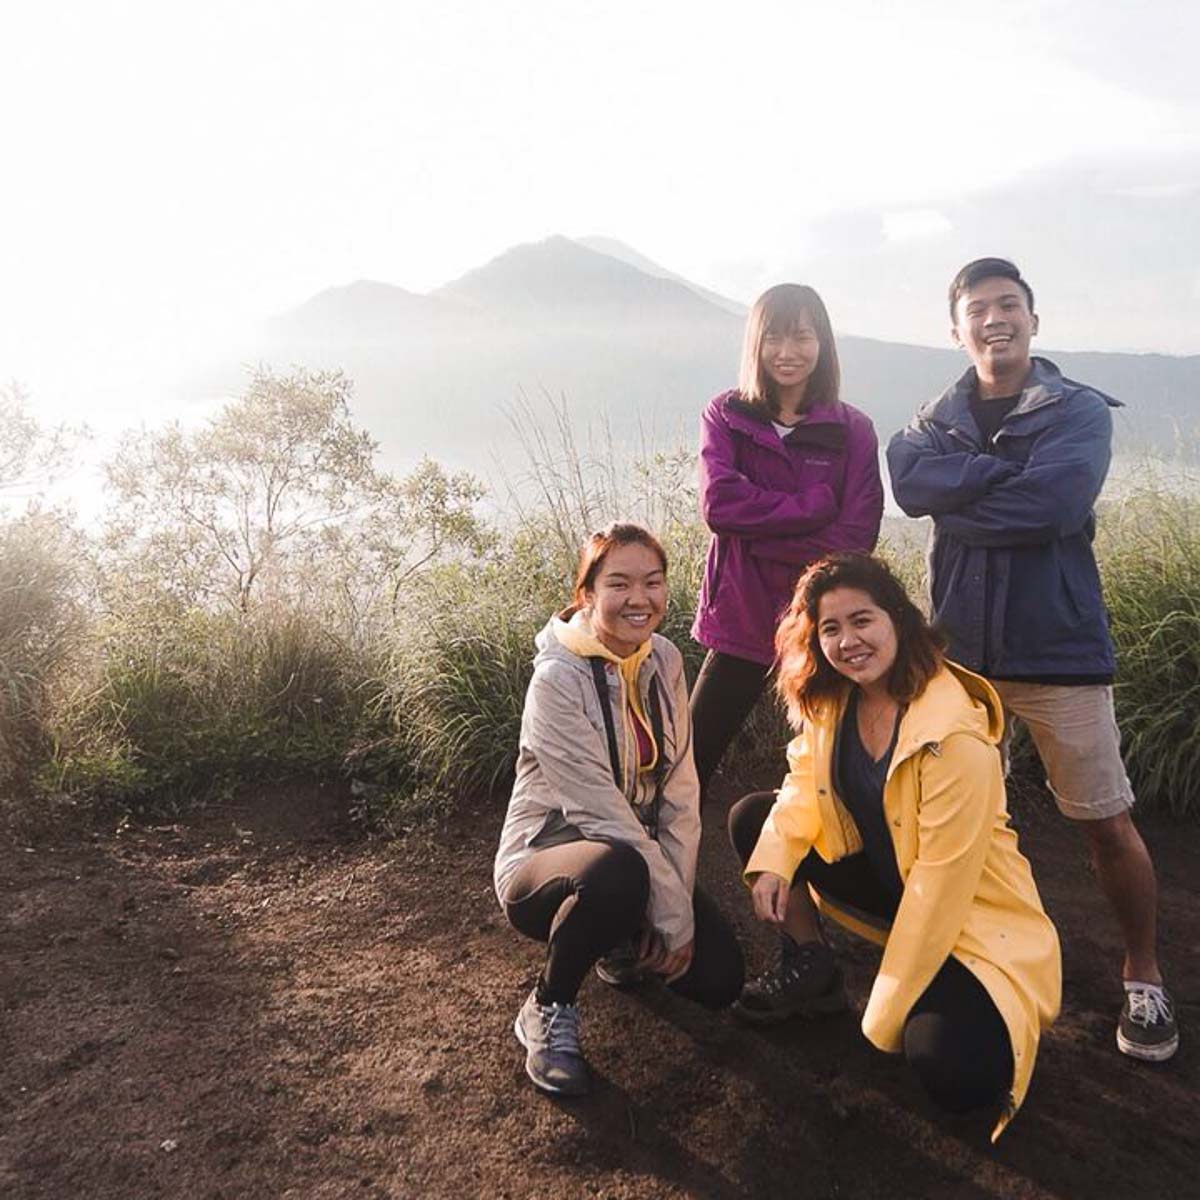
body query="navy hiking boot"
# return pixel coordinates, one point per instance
(550, 1035)
(806, 982)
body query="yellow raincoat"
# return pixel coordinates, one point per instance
(968, 890)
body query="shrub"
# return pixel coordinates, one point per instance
(42, 631)
(462, 650)
(394, 643)
(1150, 560)
(191, 703)
(457, 675)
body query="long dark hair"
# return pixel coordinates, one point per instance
(806, 678)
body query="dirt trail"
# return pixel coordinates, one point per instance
(253, 1004)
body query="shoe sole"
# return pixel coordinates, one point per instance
(549, 1088)
(820, 1006)
(1139, 1050)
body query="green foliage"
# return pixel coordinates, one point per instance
(457, 674)
(463, 646)
(191, 703)
(42, 623)
(902, 545)
(272, 606)
(30, 453)
(251, 569)
(1150, 561)
(278, 496)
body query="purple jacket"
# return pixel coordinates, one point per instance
(774, 505)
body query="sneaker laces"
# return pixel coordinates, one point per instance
(562, 1027)
(1149, 1007)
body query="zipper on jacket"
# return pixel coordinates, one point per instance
(630, 755)
(965, 439)
(1045, 401)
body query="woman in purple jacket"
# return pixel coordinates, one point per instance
(788, 474)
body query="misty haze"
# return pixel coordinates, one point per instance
(330, 336)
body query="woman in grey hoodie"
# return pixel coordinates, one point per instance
(598, 850)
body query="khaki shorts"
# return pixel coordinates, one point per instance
(1077, 739)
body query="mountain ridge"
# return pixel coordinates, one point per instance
(562, 318)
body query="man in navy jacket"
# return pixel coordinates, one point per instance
(1009, 462)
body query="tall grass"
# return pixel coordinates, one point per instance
(161, 701)
(462, 653)
(457, 672)
(190, 704)
(42, 623)
(1149, 547)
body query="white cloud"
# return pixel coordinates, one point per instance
(1157, 191)
(915, 223)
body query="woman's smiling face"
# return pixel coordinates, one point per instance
(628, 598)
(857, 637)
(789, 357)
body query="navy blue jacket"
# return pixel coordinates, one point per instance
(1012, 574)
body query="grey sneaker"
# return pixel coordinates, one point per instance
(619, 967)
(1147, 1028)
(806, 982)
(550, 1035)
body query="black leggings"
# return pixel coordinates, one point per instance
(723, 696)
(586, 898)
(955, 1038)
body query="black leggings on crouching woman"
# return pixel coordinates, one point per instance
(586, 898)
(955, 1038)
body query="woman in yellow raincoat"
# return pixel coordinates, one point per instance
(893, 818)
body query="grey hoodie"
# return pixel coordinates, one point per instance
(564, 789)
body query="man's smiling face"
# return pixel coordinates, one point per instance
(993, 324)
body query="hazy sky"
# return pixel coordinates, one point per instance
(176, 171)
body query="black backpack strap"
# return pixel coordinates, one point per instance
(601, 682)
(656, 728)
(660, 762)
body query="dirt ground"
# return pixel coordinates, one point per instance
(256, 1003)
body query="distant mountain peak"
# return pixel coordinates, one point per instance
(364, 310)
(560, 278)
(623, 252)
(366, 287)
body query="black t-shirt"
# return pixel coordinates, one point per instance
(989, 415)
(859, 780)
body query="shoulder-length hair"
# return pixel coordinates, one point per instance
(780, 310)
(806, 680)
(595, 551)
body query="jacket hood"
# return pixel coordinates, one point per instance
(939, 711)
(1046, 385)
(571, 632)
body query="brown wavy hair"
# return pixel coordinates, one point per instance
(596, 548)
(780, 310)
(806, 680)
